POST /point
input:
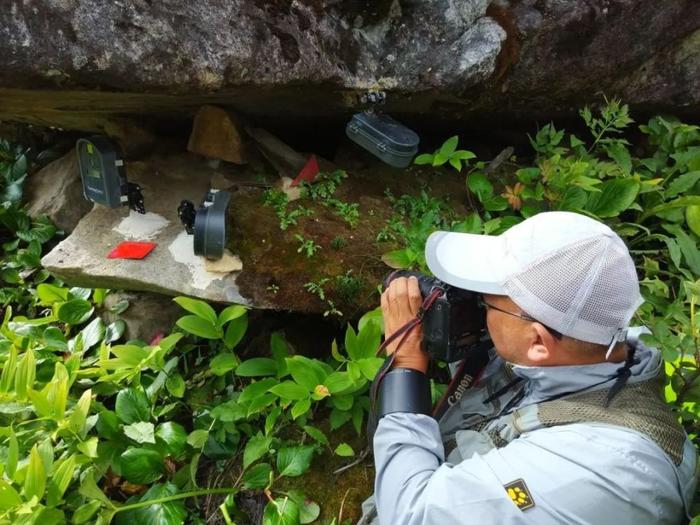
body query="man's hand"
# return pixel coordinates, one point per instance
(400, 304)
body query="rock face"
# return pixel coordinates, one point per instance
(56, 191)
(454, 58)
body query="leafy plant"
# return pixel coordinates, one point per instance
(307, 246)
(447, 153)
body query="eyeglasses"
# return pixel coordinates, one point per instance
(483, 304)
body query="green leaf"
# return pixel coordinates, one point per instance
(294, 461)
(9, 369)
(174, 437)
(12, 456)
(60, 479)
(449, 146)
(85, 512)
(141, 432)
(114, 331)
(49, 294)
(344, 450)
(198, 438)
(54, 339)
(689, 249)
(167, 513)
(132, 405)
(300, 408)
(78, 418)
(306, 372)
(35, 478)
(75, 311)
(339, 418)
(397, 259)
(425, 158)
(479, 184)
(680, 202)
(199, 327)
(223, 363)
(316, 434)
(288, 390)
(368, 340)
(229, 412)
(198, 308)
(258, 366)
(681, 184)
(256, 389)
(141, 465)
(89, 447)
(235, 331)
(9, 498)
(370, 367)
(281, 511)
(256, 448)
(257, 477)
(230, 313)
(616, 196)
(175, 385)
(26, 372)
(93, 333)
(338, 382)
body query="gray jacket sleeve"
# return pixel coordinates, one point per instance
(609, 477)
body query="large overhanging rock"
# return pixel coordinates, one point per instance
(73, 63)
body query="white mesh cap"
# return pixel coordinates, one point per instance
(568, 271)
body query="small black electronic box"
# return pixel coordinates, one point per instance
(207, 223)
(103, 173)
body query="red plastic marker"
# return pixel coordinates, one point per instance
(131, 250)
(308, 172)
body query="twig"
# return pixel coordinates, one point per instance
(359, 460)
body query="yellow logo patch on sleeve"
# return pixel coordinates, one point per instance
(519, 494)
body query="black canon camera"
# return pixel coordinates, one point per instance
(453, 324)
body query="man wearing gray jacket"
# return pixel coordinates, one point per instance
(567, 424)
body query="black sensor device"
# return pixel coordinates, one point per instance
(103, 173)
(207, 223)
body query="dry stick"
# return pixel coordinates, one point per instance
(359, 460)
(342, 504)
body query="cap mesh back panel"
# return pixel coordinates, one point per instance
(556, 279)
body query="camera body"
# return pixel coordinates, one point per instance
(453, 324)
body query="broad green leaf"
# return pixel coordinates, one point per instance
(397, 259)
(80, 413)
(339, 418)
(175, 385)
(54, 339)
(256, 448)
(8, 370)
(75, 311)
(26, 372)
(681, 184)
(294, 461)
(80, 293)
(35, 478)
(256, 389)
(85, 512)
(229, 411)
(281, 511)
(479, 184)
(230, 313)
(174, 437)
(223, 363)
(449, 146)
(337, 382)
(307, 372)
(114, 331)
(257, 477)
(9, 498)
(300, 408)
(289, 390)
(351, 343)
(368, 340)
(49, 294)
(344, 450)
(198, 308)
(141, 432)
(271, 419)
(198, 438)
(199, 327)
(257, 366)
(132, 406)
(93, 333)
(12, 455)
(141, 465)
(615, 196)
(129, 355)
(60, 479)
(680, 202)
(688, 247)
(317, 434)
(425, 158)
(89, 447)
(166, 513)
(90, 490)
(235, 331)
(370, 367)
